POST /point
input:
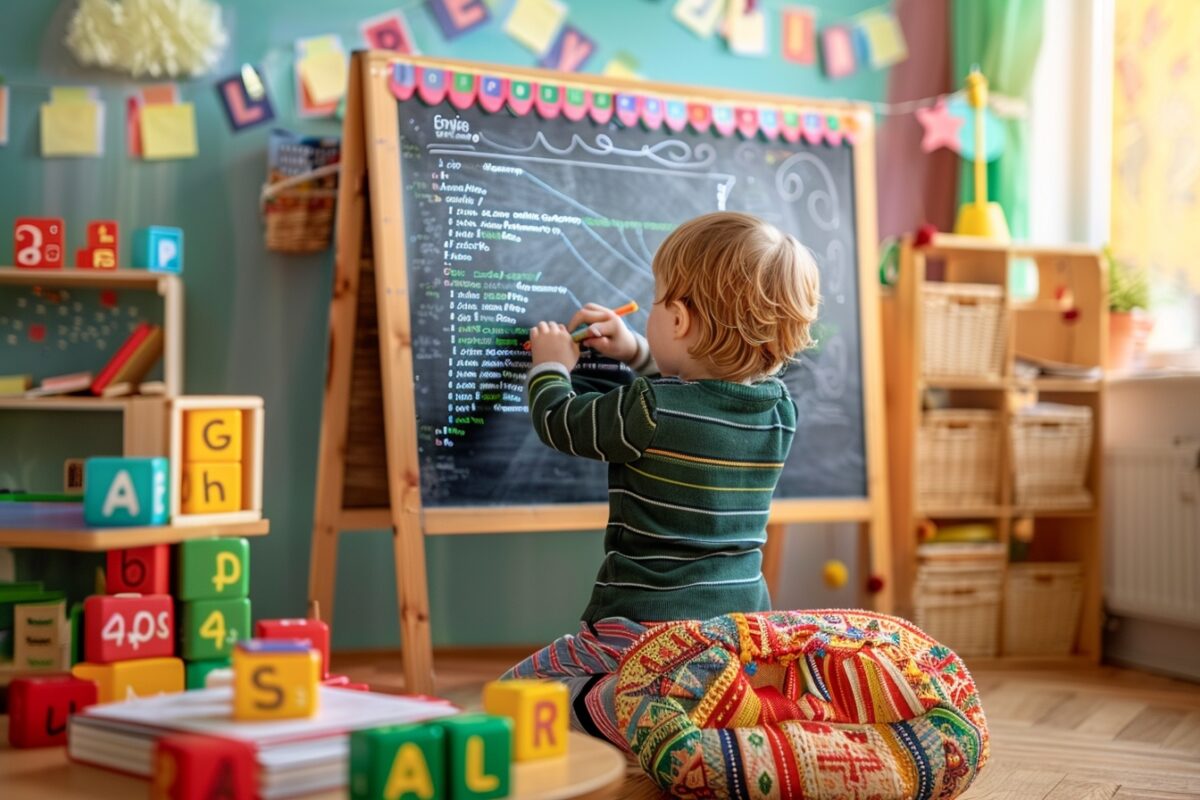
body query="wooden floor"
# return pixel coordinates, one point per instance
(1082, 733)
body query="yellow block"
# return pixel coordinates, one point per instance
(269, 685)
(125, 680)
(210, 488)
(212, 435)
(538, 710)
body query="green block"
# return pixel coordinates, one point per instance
(214, 569)
(479, 749)
(75, 616)
(197, 671)
(400, 762)
(212, 627)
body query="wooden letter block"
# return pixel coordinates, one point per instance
(42, 639)
(214, 569)
(121, 627)
(144, 570)
(211, 488)
(38, 708)
(312, 630)
(538, 710)
(125, 680)
(101, 250)
(158, 249)
(125, 491)
(401, 762)
(194, 767)
(212, 627)
(38, 242)
(212, 435)
(275, 679)
(197, 672)
(479, 752)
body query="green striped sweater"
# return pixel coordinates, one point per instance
(692, 467)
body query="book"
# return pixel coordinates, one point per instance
(133, 359)
(62, 384)
(295, 756)
(11, 385)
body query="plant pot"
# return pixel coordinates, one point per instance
(1128, 332)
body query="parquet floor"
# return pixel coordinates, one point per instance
(1078, 733)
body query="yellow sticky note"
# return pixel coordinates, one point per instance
(885, 39)
(70, 94)
(534, 23)
(747, 33)
(168, 131)
(324, 74)
(321, 44)
(70, 129)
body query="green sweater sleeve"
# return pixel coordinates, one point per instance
(616, 425)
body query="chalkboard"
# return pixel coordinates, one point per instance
(511, 219)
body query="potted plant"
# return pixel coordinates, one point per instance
(1128, 324)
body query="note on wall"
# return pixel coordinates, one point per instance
(72, 123)
(885, 39)
(320, 70)
(168, 131)
(534, 23)
(799, 35)
(746, 31)
(698, 16)
(3, 115)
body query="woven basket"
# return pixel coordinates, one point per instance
(300, 195)
(1051, 446)
(958, 454)
(1041, 609)
(963, 332)
(956, 597)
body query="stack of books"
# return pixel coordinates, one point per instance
(124, 373)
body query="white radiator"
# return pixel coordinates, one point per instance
(1153, 532)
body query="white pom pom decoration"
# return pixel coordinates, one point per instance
(155, 38)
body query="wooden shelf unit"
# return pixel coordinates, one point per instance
(1035, 327)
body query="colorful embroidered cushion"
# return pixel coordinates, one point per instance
(801, 704)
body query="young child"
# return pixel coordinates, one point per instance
(695, 444)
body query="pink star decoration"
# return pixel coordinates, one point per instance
(941, 129)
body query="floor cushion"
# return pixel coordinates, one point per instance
(801, 704)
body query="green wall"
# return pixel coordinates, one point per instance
(256, 321)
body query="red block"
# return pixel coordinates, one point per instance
(124, 627)
(145, 570)
(101, 251)
(315, 631)
(192, 767)
(38, 242)
(344, 682)
(38, 708)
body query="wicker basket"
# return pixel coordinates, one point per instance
(958, 453)
(1041, 609)
(300, 195)
(1051, 446)
(956, 597)
(963, 333)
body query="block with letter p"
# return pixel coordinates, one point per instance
(214, 569)
(195, 767)
(538, 710)
(275, 679)
(158, 249)
(125, 491)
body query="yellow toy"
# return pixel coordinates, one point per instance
(538, 710)
(835, 574)
(275, 679)
(125, 680)
(980, 218)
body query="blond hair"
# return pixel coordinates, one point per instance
(752, 290)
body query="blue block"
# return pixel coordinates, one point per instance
(125, 491)
(158, 249)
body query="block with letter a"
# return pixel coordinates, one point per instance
(38, 242)
(125, 491)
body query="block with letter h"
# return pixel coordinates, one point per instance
(218, 444)
(125, 491)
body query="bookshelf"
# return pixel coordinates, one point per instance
(1038, 327)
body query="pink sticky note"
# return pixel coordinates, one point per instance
(799, 35)
(388, 32)
(837, 50)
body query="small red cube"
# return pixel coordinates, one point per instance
(145, 570)
(38, 708)
(124, 627)
(193, 767)
(38, 242)
(315, 631)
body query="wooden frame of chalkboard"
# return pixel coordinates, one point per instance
(369, 465)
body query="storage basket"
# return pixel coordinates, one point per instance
(963, 330)
(956, 596)
(1041, 608)
(1051, 444)
(300, 195)
(958, 456)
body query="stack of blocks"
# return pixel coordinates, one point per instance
(213, 590)
(212, 455)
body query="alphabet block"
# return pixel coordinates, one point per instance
(214, 569)
(196, 672)
(101, 250)
(121, 627)
(75, 623)
(405, 762)
(158, 249)
(212, 627)
(41, 637)
(211, 488)
(312, 630)
(38, 242)
(479, 751)
(538, 710)
(38, 708)
(125, 680)
(144, 570)
(275, 679)
(193, 767)
(125, 491)
(212, 435)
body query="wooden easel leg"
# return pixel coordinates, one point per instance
(772, 556)
(412, 596)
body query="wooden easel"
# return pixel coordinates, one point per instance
(369, 382)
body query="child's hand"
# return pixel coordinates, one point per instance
(607, 334)
(551, 341)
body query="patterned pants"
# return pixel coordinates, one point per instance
(587, 663)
